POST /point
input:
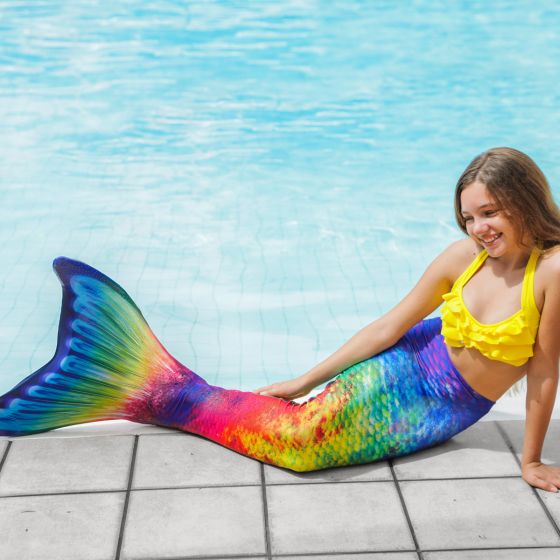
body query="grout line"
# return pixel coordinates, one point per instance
(356, 554)
(405, 510)
(127, 499)
(377, 481)
(197, 486)
(265, 514)
(509, 443)
(248, 485)
(204, 557)
(139, 489)
(496, 548)
(69, 493)
(5, 456)
(443, 479)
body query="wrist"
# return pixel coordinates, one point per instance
(306, 382)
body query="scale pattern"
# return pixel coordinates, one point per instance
(109, 365)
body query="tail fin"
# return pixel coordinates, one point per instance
(107, 360)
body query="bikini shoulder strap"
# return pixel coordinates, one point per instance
(472, 268)
(528, 295)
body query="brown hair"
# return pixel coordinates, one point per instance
(519, 186)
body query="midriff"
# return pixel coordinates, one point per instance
(490, 378)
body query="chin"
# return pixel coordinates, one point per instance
(497, 251)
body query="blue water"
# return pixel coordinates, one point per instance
(264, 178)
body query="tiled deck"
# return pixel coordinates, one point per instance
(156, 493)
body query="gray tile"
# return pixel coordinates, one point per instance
(342, 517)
(194, 521)
(184, 459)
(355, 473)
(552, 503)
(551, 450)
(66, 465)
(365, 556)
(477, 514)
(478, 451)
(3, 445)
(65, 527)
(502, 554)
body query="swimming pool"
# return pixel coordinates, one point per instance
(263, 178)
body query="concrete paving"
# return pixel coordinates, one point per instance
(126, 491)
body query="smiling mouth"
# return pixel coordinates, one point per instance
(491, 240)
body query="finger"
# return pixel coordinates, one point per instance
(542, 484)
(549, 486)
(551, 477)
(552, 483)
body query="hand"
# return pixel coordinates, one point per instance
(542, 476)
(288, 390)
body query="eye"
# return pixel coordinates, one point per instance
(490, 212)
(467, 218)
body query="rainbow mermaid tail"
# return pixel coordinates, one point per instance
(109, 365)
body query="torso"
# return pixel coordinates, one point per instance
(491, 296)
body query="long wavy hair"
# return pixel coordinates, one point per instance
(519, 186)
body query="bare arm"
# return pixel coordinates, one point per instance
(542, 383)
(541, 393)
(382, 333)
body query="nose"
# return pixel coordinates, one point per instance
(479, 227)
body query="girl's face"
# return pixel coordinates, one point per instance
(486, 222)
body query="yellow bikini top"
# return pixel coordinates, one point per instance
(511, 340)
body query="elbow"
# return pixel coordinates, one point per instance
(542, 386)
(542, 371)
(387, 334)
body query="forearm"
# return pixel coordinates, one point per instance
(541, 394)
(371, 340)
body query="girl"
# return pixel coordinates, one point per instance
(406, 382)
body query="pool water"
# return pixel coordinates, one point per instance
(262, 178)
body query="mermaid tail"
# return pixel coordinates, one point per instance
(108, 365)
(404, 399)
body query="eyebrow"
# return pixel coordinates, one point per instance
(482, 206)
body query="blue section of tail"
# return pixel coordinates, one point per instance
(99, 365)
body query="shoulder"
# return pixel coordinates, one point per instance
(458, 256)
(549, 262)
(466, 249)
(547, 278)
(548, 269)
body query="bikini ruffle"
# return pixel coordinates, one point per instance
(510, 341)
